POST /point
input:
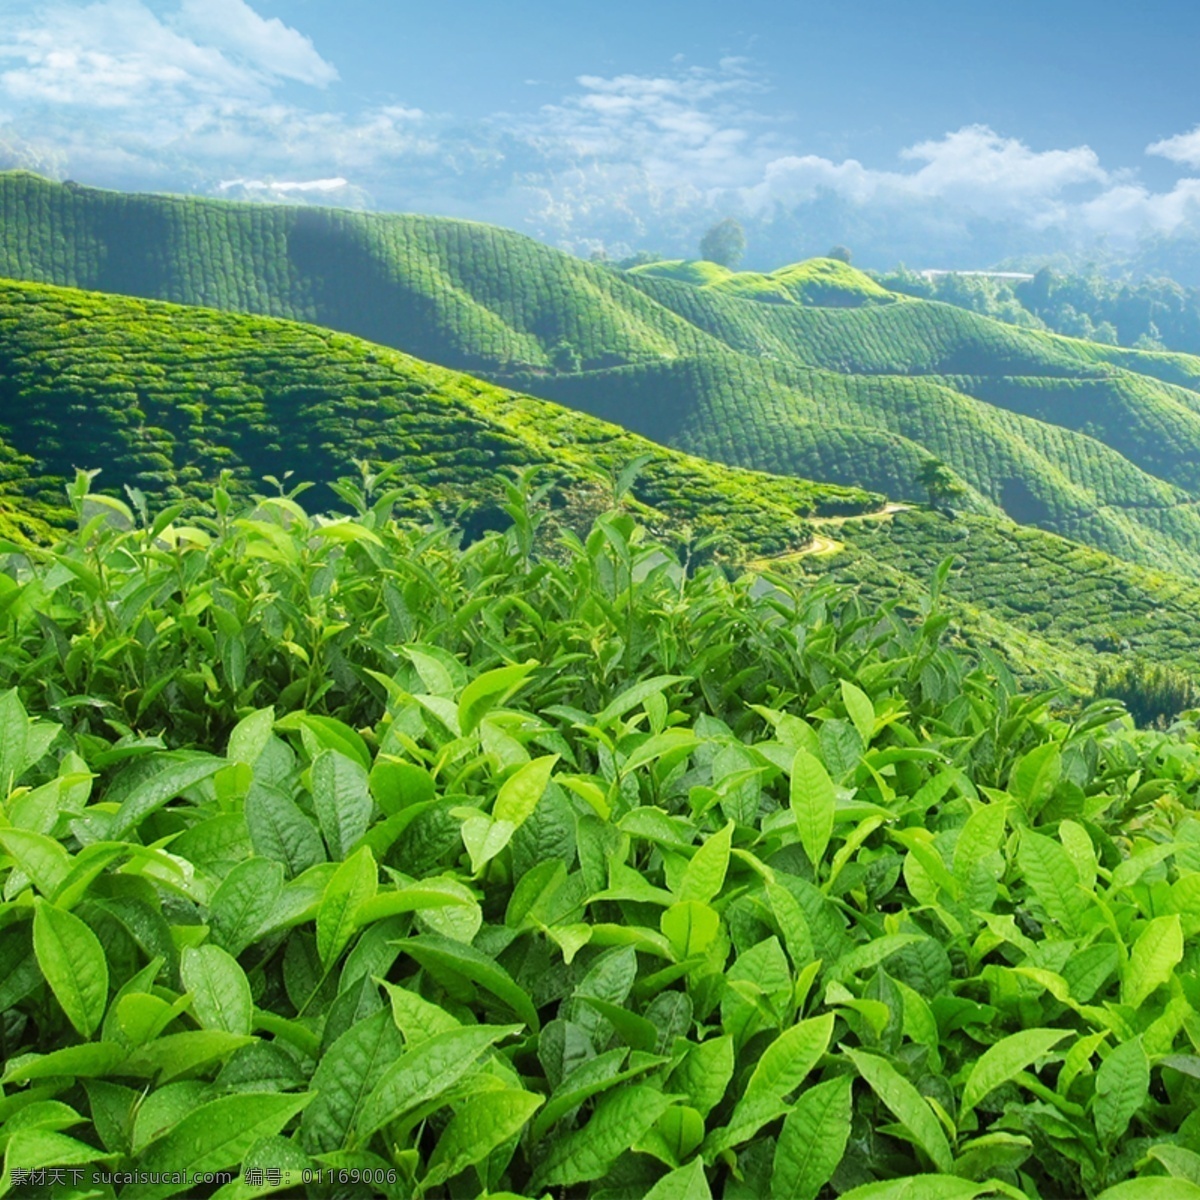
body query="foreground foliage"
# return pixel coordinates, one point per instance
(329, 846)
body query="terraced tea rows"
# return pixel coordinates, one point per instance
(813, 370)
(167, 398)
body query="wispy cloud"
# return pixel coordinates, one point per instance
(119, 54)
(696, 128)
(283, 185)
(1182, 148)
(268, 44)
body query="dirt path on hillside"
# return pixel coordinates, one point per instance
(822, 544)
(888, 510)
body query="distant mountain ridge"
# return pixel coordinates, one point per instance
(813, 370)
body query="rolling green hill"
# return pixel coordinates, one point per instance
(813, 370)
(168, 398)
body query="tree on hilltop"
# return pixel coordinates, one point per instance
(841, 253)
(724, 244)
(939, 481)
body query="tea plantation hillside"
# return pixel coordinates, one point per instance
(169, 400)
(1046, 605)
(786, 419)
(348, 861)
(459, 293)
(813, 370)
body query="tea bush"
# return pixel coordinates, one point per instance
(356, 863)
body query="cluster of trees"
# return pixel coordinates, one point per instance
(725, 244)
(1144, 314)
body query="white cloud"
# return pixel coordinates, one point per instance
(1182, 148)
(975, 159)
(281, 185)
(973, 167)
(692, 129)
(119, 54)
(1129, 209)
(269, 44)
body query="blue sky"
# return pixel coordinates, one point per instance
(936, 132)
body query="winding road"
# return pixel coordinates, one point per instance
(823, 544)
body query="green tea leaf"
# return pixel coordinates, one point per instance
(622, 1118)
(908, 1105)
(789, 1058)
(72, 960)
(160, 789)
(280, 831)
(978, 838)
(322, 733)
(705, 1073)
(813, 804)
(34, 1149)
(426, 1072)
(520, 792)
(415, 897)
(489, 689)
(249, 737)
(482, 1124)
(1153, 959)
(140, 1016)
(342, 800)
(690, 927)
(442, 954)
(591, 1078)
(416, 1017)
(920, 1187)
(1006, 1060)
(244, 902)
(1122, 1087)
(782, 1068)
(177, 1054)
(685, 1183)
(352, 885)
(637, 694)
(704, 875)
(812, 1141)
(859, 709)
(1180, 1162)
(41, 858)
(346, 1075)
(1152, 1187)
(219, 987)
(213, 1137)
(1051, 875)
(399, 785)
(1035, 776)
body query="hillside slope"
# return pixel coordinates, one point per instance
(167, 398)
(813, 370)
